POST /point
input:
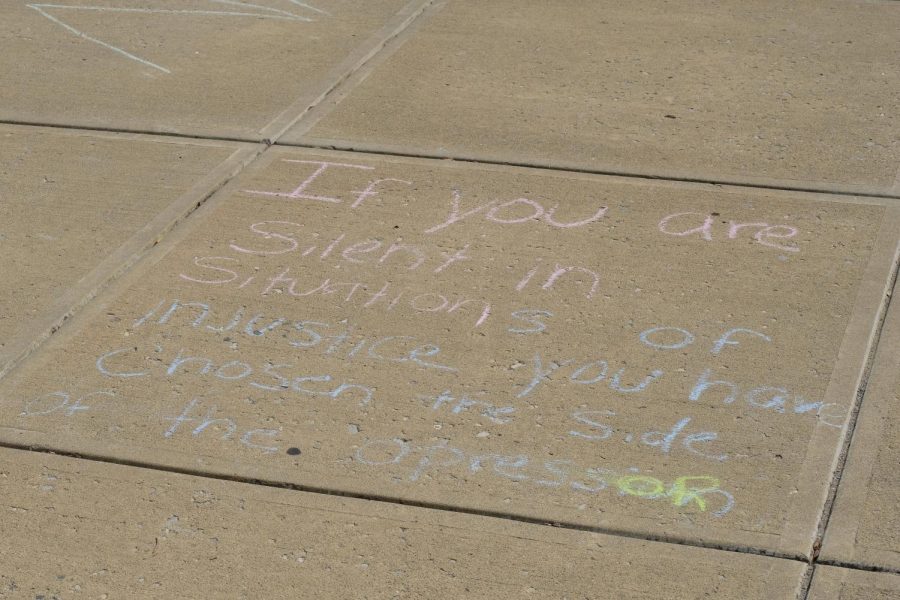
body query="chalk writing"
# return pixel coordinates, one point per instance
(285, 338)
(510, 213)
(558, 271)
(531, 317)
(426, 462)
(120, 363)
(248, 10)
(62, 402)
(500, 415)
(595, 430)
(588, 373)
(339, 341)
(384, 296)
(776, 399)
(685, 224)
(675, 338)
(227, 427)
(373, 252)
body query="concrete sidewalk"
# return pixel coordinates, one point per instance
(449, 299)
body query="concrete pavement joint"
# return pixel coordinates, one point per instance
(854, 413)
(806, 581)
(608, 172)
(828, 509)
(94, 128)
(415, 11)
(859, 566)
(894, 194)
(345, 86)
(135, 256)
(673, 540)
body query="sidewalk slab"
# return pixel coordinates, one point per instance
(76, 208)
(835, 583)
(217, 68)
(665, 360)
(864, 527)
(74, 528)
(796, 94)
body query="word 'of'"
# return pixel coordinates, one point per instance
(61, 403)
(661, 338)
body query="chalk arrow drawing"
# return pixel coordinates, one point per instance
(235, 9)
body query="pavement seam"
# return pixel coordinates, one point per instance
(892, 194)
(345, 86)
(135, 249)
(859, 566)
(392, 35)
(806, 581)
(100, 129)
(889, 195)
(382, 498)
(834, 484)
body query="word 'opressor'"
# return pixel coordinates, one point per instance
(696, 491)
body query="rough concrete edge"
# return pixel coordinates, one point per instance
(359, 59)
(858, 566)
(124, 257)
(840, 546)
(602, 169)
(828, 581)
(803, 531)
(824, 583)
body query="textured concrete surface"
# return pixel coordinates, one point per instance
(325, 322)
(797, 93)
(76, 207)
(865, 525)
(835, 583)
(282, 372)
(201, 67)
(76, 529)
